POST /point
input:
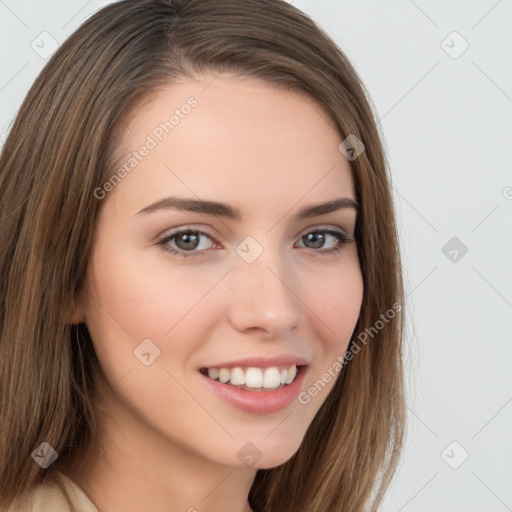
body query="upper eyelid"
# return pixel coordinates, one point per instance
(178, 231)
(185, 229)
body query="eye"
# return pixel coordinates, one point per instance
(318, 237)
(188, 240)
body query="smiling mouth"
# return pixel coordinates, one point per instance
(254, 378)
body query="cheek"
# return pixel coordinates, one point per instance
(138, 298)
(333, 298)
(142, 296)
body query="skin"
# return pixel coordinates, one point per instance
(169, 443)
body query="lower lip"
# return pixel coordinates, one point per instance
(258, 402)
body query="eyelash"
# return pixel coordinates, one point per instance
(163, 241)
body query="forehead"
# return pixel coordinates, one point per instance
(231, 138)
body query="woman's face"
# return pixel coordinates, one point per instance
(264, 284)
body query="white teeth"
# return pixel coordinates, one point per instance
(292, 371)
(237, 377)
(224, 375)
(269, 378)
(272, 378)
(253, 378)
(213, 373)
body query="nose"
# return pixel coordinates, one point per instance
(263, 296)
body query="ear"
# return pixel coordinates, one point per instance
(77, 317)
(77, 314)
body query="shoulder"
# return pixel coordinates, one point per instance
(59, 494)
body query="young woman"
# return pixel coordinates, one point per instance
(202, 302)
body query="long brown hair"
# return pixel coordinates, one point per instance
(62, 147)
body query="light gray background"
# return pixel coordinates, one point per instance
(446, 121)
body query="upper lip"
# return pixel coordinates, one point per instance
(262, 362)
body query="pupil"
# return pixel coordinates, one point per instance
(189, 239)
(316, 238)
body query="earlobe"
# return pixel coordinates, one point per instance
(76, 315)
(76, 318)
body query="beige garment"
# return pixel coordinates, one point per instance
(49, 497)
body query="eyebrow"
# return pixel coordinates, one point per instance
(227, 211)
